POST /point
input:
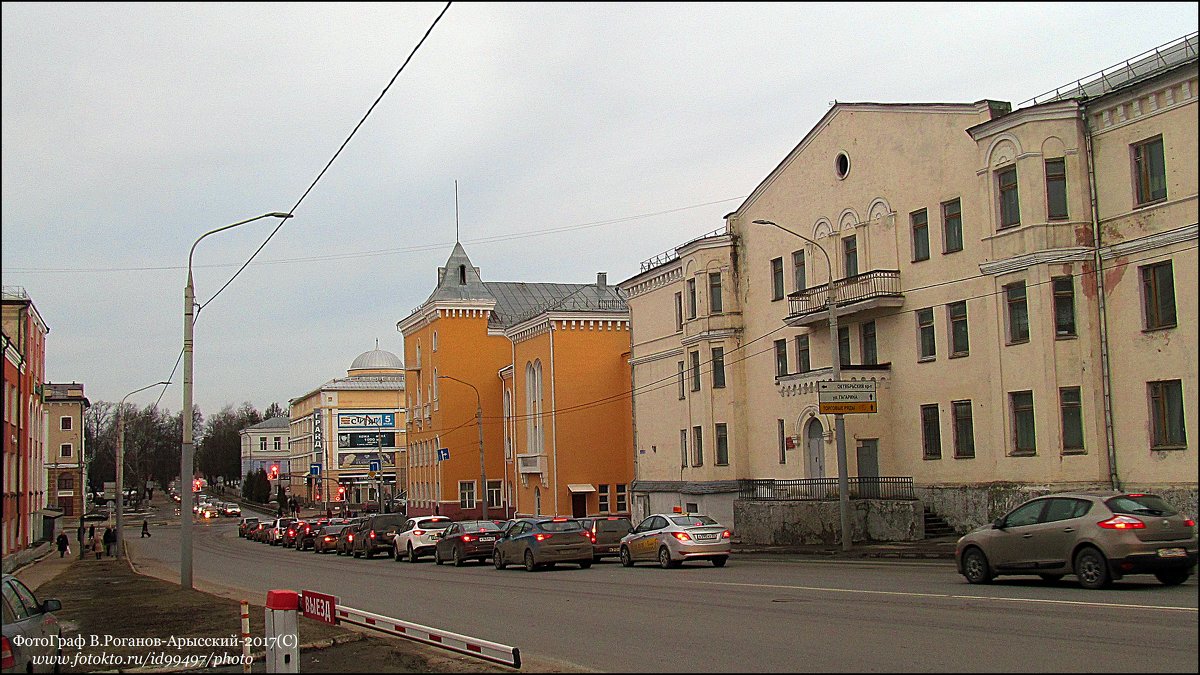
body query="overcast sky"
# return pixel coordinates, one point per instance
(584, 138)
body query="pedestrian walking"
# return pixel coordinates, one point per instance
(91, 532)
(110, 538)
(64, 544)
(98, 545)
(145, 528)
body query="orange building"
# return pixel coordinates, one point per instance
(557, 438)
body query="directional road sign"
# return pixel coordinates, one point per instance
(843, 397)
(443, 454)
(314, 469)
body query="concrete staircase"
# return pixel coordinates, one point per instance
(935, 527)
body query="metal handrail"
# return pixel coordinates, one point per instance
(894, 488)
(673, 254)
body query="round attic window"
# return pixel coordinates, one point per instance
(841, 164)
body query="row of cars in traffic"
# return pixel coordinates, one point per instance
(667, 539)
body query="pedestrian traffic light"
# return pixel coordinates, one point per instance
(274, 472)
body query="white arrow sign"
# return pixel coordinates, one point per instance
(838, 385)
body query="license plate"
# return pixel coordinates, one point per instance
(434, 537)
(612, 549)
(487, 539)
(1172, 553)
(706, 537)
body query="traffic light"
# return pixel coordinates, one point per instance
(273, 474)
(341, 493)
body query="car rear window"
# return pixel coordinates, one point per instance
(560, 526)
(618, 525)
(693, 521)
(389, 521)
(480, 526)
(333, 529)
(1140, 505)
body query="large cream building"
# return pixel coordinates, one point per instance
(1020, 285)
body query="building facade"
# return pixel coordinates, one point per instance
(265, 445)
(1019, 285)
(24, 419)
(66, 466)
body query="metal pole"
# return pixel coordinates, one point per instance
(482, 469)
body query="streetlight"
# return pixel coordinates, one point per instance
(478, 423)
(121, 465)
(185, 460)
(839, 422)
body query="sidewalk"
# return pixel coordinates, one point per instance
(940, 548)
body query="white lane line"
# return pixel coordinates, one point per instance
(951, 596)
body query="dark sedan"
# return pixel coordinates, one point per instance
(467, 540)
(326, 538)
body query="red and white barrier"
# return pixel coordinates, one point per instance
(463, 644)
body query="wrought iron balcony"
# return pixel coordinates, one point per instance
(859, 293)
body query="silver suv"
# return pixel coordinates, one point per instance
(1097, 536)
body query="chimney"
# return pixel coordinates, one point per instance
(601, 279)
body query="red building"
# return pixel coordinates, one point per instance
(24, 337)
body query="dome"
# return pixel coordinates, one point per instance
(377, 359)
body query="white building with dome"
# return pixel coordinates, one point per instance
(347, 436)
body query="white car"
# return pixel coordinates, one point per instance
(671, 538)
(418, 536)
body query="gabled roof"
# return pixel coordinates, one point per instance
(459, 279)
(272, 423)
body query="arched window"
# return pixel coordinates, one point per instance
(530, 419)
(462, 275)
(508, 448)
(537, 406)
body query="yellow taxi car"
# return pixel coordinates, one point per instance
(671, 538)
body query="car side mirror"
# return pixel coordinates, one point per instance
(999, 524)
(51, 606)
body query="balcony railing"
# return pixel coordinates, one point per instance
(896, 488)
(848, 291)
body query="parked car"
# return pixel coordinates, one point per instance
(326, 538)
(671, 538)
(306, 536)
(31, 621)
(542, 542)
(209, 512)
(245, 525)
(467, 540)
(1099, 536)
(293, 532)
(605, 533)
(417, 536)
(345, 542)
(275, 536)
(376, 534)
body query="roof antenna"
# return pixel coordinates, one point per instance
(456, 211)
(376, 344)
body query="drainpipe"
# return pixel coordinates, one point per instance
(553, 420)
(1114, 480)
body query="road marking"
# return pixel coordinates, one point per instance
(950, 596)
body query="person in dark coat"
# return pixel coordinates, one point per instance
(63, 544)
(145, 528)
(110, 538)
(91, 532)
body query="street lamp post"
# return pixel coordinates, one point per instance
(185, 460)
(478, 423)
(121, 466)
(839, 422)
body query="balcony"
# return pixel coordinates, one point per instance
(531, 464)
(856, 295)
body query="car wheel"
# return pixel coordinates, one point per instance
(584, 564)
(1051, 578)
(1172, 577)
(664, 558)
(720, 561)
(396, 553)
(437, 557)
(529, 564)
(498, 560)
(626, 559)
(356, 553)
(1092, 569)
(458, 561)
(976, 568)
(412, 555)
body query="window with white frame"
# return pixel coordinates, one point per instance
(65, 423)
(494, 493)
(66, 450)
(466, 494)
(602, 496)
(622, 498)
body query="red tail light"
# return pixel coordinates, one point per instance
(540, 536)
(328, 538)
(350, 538)
(467, 537)
(1122, 523)
(291, 533)
(372, 535)
(417, 533)
(682, 536)
(726, 534)
(558, 520)
(1189, 522)
(6, 654)
(590, 535)
(307, 530)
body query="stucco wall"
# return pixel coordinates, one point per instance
(791, 523)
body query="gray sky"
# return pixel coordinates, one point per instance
(584, 137)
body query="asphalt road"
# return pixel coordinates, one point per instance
(760, 613)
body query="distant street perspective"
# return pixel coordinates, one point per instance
(600, 337)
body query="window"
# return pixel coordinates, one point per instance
(1072, 419)
(1166, 415)
(1158, 293)
(1151, 171)
(65, 423)
(466, 494)
(622, 498)
(678, 312)
(1064, 307)
(1018, 313)
(844, 345)
(1024, 434)
(920, 235)
(931, 435)
(695, 357)
(682, 386)
(926, 335)
(850, 249)
(714, 293)
(782, 442)
(952, 226)
(262, 443)
(493, 494)
(434, 341)
(964, 429)
(691, 298)
(869, 346)
(683, 447)
(960, 342)
(66, 481)
(799, 276)
(1056, 189)
(777, 279)
(602, 495)
(803, 364)
(278, 444)
(781, 367)
(697, 446)
(65, 450)
(1010, 203)
(718, 367)
(722, 444)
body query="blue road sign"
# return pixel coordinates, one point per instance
(373, 465)
(443, 454)
(314, 469)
